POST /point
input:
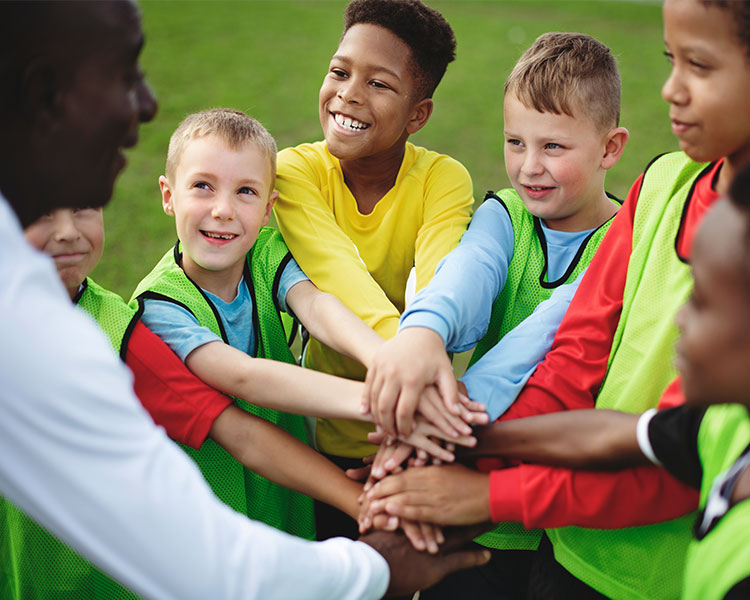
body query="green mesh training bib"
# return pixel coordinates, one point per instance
(722, 558)
(245, 491)
(642, 562)
(525, 287)
(34, 564)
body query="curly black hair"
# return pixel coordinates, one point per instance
(423, 29)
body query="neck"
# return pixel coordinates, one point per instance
(222, 283)
(733, 164)
(370, 178)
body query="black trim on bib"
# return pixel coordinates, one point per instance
(685, 207)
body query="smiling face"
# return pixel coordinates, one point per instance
(713, 352)
(709, 86)
(220, 198)
(74, 238)
(557, 164)
(367, 102)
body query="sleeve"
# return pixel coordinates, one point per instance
(176, 326)
(673, 438)
(174, 397)
(448, 205)
(80, 456)
(496, 379)
(324, 252)
(458, 300)
(290, 276)
(572, 372)
(540, 496)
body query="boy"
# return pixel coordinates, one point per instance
(561, 113)
(190, 410)
(704, 442)
(216, 297)
(614, 347)
(364, 207)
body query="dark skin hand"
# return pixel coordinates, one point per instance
(412, 570)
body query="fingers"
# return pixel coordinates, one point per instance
(392, 460)
(424, 443)
(465, 559)
(413, 533)
(446, 384)
(384, 405)
(360, 474)
(431, 407)
(407, 406)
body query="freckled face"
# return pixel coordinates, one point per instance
(713, 353)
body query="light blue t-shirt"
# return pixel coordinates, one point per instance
(457, 304)
(182, 333)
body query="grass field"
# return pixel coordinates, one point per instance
(268, 58)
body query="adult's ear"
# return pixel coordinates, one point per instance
(420, 115)
(614, 146)
(40, 94)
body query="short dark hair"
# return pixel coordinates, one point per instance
(423, 29)
(739, 12)
(566, 72)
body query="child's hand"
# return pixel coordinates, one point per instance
(446, 495)
(401, 370)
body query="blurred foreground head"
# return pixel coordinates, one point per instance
(72, 98)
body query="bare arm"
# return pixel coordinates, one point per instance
(277, 455)
(276, 385)
(578, 439)
(329, 321)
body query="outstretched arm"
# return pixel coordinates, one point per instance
(278, 456)
(329, 321)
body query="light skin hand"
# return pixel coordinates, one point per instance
(401, 370)
(445, 495)
(412, 570)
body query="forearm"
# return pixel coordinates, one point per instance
(276, 385)
(582, 439)
(278, 456)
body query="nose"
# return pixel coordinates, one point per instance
(65, 226)
(223, 207)
(147, 104)
(348, 91)
(673, 91)
(532, 165)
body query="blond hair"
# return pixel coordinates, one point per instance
(234, 127)
(563, 72)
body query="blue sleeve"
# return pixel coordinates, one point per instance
(176, 326)
(496, 379)
(290, 276)
(458, 301)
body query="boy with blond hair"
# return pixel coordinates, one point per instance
(216, 298)
(562, 108)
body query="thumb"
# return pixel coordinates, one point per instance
(464, 559)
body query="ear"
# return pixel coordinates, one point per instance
(420, 115)
(614, 146)
(41, 97)
(269, 207)
(166, 196)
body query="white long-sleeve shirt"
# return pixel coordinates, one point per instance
(81, 456)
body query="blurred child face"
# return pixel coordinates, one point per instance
(555, 163)
(709, 86)
(220, 198)
(367, 103)
(74, 238)
(713, 353)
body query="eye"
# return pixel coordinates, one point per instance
(201, 185)
(379, 85)
(339, 73)
(514, 142)
(670, 56)
(699, 65)
(247, 190)
(553, 146)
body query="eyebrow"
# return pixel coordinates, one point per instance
(379, 68)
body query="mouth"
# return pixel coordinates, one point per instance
(69, 258)
(536, 191)
(349, 124)
(680, 127)
(218, 237)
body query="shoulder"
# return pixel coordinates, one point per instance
(311, 154)
(433, 164)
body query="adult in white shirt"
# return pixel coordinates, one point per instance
(77, 451)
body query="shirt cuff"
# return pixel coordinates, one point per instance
(644, 441)
(505, 495)
(427, 320)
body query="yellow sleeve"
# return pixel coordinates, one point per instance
(448, 205)
(323, 251)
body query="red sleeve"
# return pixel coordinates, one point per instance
(572, 372)
(548, 497)
(176, 399)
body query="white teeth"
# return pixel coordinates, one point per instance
(349, 123)
(220, 236)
